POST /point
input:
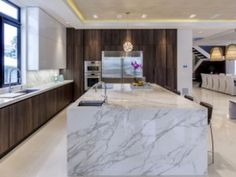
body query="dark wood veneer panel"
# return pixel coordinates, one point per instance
(21, 123)
(92, 45)
(75, 61)
(159, 48)
(19, 120)
(4, 130)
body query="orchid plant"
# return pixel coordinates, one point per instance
(136, 65)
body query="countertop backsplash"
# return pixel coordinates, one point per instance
(36, 78)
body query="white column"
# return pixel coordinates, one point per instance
(230, 67)
(184, 61)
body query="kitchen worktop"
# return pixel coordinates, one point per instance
(41, 89)
(127, 96)
(138, 132)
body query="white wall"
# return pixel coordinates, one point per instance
(184, 61)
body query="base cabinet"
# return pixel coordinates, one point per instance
(4, 130)
(19, 120)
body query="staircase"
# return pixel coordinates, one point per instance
(199, 56)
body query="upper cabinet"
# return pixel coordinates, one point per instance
(92, 45)
(46, 41)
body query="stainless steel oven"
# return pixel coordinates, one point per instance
(91, 79)
(92, 73)
(92, 66)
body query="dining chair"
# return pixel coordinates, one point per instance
(210, 109)
(189, 97)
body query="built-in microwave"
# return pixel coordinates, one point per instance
(92, 66)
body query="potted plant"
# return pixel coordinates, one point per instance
(136, 66)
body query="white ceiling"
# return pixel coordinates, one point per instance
(158, 9)
(214, 33)
(222, 38)
(56, 8)
(61, 11)
(203, 33)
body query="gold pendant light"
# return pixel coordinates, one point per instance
(127, 46)
(217, 54)
(230, 52)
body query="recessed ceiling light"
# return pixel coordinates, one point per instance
(144, 16)
(192, 16)
(95, 16)
(215, 16)
(119, 16)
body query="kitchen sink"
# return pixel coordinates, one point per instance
(91, 103)
(17, 94)
(26, 91)
(11, 95)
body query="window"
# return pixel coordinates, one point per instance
(9, 9)
(9, 42)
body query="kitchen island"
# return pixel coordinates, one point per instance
(138, 132)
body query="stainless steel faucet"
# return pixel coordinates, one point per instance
(102, 84)
(105, 92)
(10, 75)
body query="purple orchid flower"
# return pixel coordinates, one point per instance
(136, 65)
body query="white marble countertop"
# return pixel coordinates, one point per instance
(140, 132)
(155, 97)
(43, 88)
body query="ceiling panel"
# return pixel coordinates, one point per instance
(158, 9)
(166, 13)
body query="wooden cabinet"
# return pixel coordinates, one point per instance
(45, 40)
(39, 113)
(4, 130)
(159, 48)
(21, 123)
(19, 120)
(92, 45)
(51, 98)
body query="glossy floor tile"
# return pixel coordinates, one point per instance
(44, 153)
(224, 130)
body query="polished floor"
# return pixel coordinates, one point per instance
(44, 153)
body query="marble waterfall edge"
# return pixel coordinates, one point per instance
(119, 141)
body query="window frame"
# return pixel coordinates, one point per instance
(5, 19)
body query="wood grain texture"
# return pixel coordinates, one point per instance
(92, 45)
(75, 61)
(21, 123)
(159, 48)
(19, 120)
(4, 130)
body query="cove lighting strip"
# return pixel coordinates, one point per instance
(72, 4)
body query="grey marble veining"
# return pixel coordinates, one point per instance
(121, 140)
(37, 78)
(156, 97)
